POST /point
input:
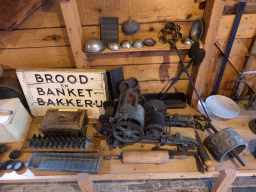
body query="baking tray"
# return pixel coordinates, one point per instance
(66, 162)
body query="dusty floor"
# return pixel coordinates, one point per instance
(245, 184)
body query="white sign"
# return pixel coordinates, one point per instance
(64, 88)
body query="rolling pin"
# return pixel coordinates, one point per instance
(203, 154)
(144, 157)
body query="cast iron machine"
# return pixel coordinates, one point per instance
(131, 119)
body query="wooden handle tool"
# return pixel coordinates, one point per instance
(199, 163)
(203, 154)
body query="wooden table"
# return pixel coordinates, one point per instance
(115, 170)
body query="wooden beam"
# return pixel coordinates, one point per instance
(235, 65)
(51, 57)
(250, 65)
(212, 16)
(16, 11)
(158, 72)
(224, 181)
(85, 182)
(246, 28)
(74, 29)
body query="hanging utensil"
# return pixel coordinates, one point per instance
(196, 30)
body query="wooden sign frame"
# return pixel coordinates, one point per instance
(64, 89)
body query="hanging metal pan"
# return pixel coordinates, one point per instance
(198, 57)
(193, 49)
(196, 30)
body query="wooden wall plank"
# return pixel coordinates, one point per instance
(238, 52)
(158, 86)
(34, 38)
(158, 72)
(251, 60)
(250, 65)
(237, 58)
(59, 37)
(152, 72)
(49, 14)
(147, 86)
(149, 83)
(246, 27)
(251, 81)
(134, 58)
(47, 57)
(231, 7)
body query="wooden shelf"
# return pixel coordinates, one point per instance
(158, 47)
(116, 170)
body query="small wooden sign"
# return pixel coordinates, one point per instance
(64, 88)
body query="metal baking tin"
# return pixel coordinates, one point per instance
(65, 162)
(61, 121)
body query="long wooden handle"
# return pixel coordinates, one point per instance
(181, 156)
(199, 163)
(203, 154)
(209, 166)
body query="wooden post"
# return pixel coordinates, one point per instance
(74, 29)
(250, 66)
(212, 16)
(224, 181)
(85, 183)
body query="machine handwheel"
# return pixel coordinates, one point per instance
(127, 132)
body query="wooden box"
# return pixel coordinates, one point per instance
(65, 122)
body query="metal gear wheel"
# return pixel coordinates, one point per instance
(127, 132)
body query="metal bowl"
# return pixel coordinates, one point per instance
(125, 44)
(186, 41)
(222, 106)
(196, 30)
(113, 46)
(137, 43)
(130, 27)
(93, 45)
(149, 42)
